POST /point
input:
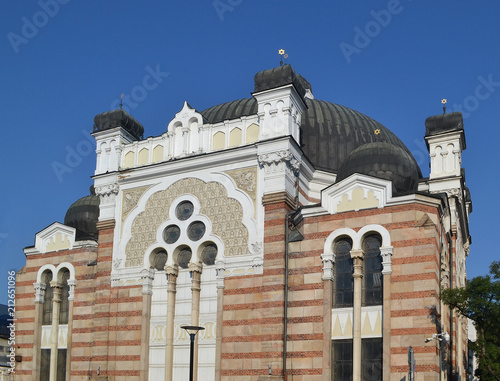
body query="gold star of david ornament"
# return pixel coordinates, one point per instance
(377, 131)
(281, 52)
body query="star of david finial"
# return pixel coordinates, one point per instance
(377, 131)
(281, 52)
(444, 101)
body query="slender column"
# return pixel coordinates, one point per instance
(39, 299)
(56, 306)
(218, 325)
(357, 256)
(172, 273)
(71, 298)
(147, 292)
(195, 271)
(328, 276)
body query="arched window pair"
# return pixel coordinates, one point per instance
(47, 319)
(343, 297)
(372, 273)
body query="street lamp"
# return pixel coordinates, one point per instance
(192, 330)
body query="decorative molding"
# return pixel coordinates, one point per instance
(106, 224)
(107, 189)
(246, 180)
(116, 263)
(279, 162)
(275, 198)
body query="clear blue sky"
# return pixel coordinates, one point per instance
(64, 62)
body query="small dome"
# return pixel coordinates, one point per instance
(386, 161)
(118, 118)
(82, 215)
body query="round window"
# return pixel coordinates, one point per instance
(171, 234)
(159, 260)
(209, 253)
(184, 257)
(196, 230)
(184, 210)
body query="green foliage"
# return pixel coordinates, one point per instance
(480, 302)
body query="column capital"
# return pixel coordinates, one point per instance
(357, 256)
(56, 291)
(386, 253)
(40, 288)
(220, 269)
(147, 276)
(71, 284)
(328, 261)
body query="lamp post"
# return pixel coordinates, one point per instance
(192, 330)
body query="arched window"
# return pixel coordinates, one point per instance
(47, 300)
(343, 281)
(64, 307)
(372, 269)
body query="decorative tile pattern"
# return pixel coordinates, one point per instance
(224, 212)
(130, 199)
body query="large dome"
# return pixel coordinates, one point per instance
(83, 215)
(329, 132)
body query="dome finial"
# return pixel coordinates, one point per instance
(281, 52)
(121, 101)
(444, 101)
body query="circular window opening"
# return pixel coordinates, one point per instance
(184, 257)
(184, 210)
(171, 234)
(159, 260)
(209, 253)
(196, 230)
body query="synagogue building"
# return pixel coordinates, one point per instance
(301, 235)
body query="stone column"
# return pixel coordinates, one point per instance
(172, 273)
(357, 256)
(195, 271)
(147, 292)
(56, 306)
(37, 337)
(218, 325)
(328, 276)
